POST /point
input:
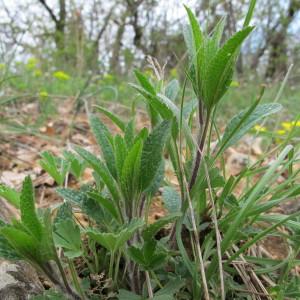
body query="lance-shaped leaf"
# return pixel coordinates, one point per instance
(144, 82)
(10, 194)
(129, 133)
(27, 206)
(101, 170)
(120, 153)
(244, 121)
(153, 228)
(152, 153)
(131, 171)
(6, 250)
(77, 197)
(77, 165)
(103, 137)
(24, 244)
(107, 204)
(220, 70)
(172, 89)
(57, 168)
(114, 118)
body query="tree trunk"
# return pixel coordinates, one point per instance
(277, 63)
(115, 58)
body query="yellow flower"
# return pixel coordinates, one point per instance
(108, 77)
(234, 83)
(31, 63)
(173, 72)
(259, 128)
(37, 73)
(43, 94)
(290, 125)
(61, 75)
(296, 123)
(280, 132)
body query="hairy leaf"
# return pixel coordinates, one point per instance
(131, 171)
(27, 206)
(153, 228)
(114, 118)
(67, 236)
(10, 194)
(152, 153)
(244, 121)
(101, 134)
(101, 170)
(171, 199)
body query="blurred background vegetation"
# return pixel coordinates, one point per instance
(68, 47)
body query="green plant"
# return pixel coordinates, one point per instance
(207, 251)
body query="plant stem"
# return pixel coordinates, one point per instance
(199, 153)
(65, 280)
(148, 281)
(117, 267)
(156, 279)
(111, 265)
(75, 279)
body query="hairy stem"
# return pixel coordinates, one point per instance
(199, 153)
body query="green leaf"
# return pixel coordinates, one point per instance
(120, 153)
(152, 153)
(126, 295)
(155, 103)
(50, 294)
(220, 69)
(46, 244)
(6, 250)
(101, 170)
(172, 287)
(10, 194)
(131, 171)
(24, 244)
(153, 228)
(57, 168)
(107, 204)
(114, 241)
(172, 89)
(77, 166)
(27, 207)
(171, 199)
(114, 118)
(148, 256)
(129, 134)
(67, 236)
(77, 197)
(251, 199)
(144, 82)
(244, 121)
(157, 180)
(101, 134)
(196, 31)
(64, 212)
(217, 36)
